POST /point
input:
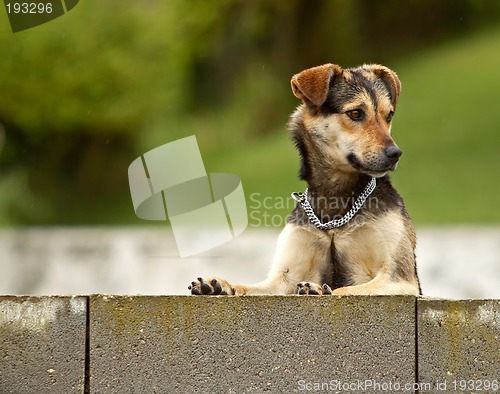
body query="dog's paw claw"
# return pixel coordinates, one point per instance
(206, 288)
(216, 286)
(327, 290)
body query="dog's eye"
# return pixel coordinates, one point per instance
(389, 117)
(356, 114)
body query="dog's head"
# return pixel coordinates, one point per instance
(347, 114)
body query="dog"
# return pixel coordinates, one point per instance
(350, 233)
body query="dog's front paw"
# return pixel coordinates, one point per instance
(213, 286)
(308, 288)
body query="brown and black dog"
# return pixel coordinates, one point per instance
(350, 232)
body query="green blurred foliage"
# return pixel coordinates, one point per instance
(446, 128)
(84, 95)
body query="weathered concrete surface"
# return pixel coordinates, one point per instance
(457, 341)
(247, 344)
(42, 344)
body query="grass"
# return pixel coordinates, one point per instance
(446, 124)
(447, 127)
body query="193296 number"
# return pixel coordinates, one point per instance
(475, 385)
(29, 8)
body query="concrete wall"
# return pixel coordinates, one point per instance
(175, 344)
(42, 344)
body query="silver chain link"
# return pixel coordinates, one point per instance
(302, 199)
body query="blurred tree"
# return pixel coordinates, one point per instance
(85, 94)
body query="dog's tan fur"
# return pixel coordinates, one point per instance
(372, 254)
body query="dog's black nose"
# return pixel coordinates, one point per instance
(393, 152)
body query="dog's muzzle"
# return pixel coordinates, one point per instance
(387, 160)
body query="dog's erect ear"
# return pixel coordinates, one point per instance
(311, 85)
(390, 80)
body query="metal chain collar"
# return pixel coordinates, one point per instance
(302, 199)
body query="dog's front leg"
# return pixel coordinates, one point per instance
(382, 284)
(301, 254)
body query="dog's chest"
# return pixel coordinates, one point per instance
(356, 253)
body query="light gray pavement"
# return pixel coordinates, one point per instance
(457, 262)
